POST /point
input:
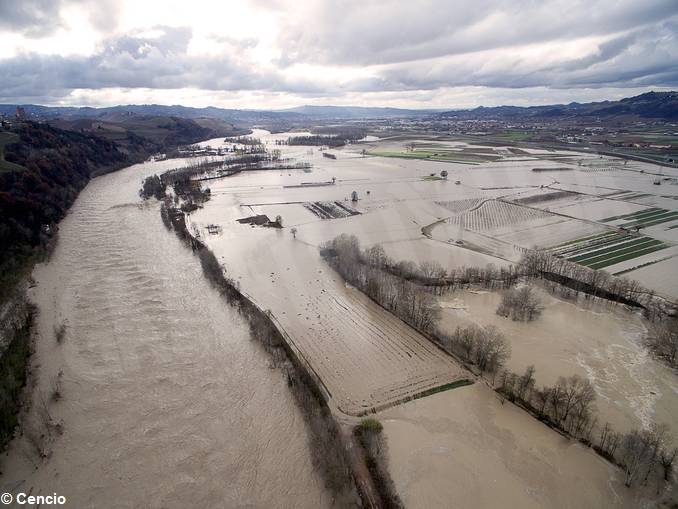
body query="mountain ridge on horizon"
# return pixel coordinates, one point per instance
(647, 105)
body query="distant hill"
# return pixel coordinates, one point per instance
(242, 117)
(356, 112)
(146, 110)
(135, 133)
(651, 105)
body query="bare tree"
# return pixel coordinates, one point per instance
(662, 340)
(432, 270)
(520, 304)
(636, 454)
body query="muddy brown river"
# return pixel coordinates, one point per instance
(166, 400)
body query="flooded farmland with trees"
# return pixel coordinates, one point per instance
(339, 255)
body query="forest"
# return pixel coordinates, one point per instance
(53, 167)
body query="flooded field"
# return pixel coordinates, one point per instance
(165, 401)
(596, 340)
(465, 449)
(485, 213)
(366, 358)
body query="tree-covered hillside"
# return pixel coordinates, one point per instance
(47, 169)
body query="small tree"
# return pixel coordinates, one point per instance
(520, 305)
(294, 232)
(279, 220)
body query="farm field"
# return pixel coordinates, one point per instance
(396, 208)
(658, 273)
(600, 251)
(448, 255)
(367, 358)
(369, 361)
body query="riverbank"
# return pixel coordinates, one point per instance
(165, 399)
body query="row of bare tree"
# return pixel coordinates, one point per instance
(662, 341)
(485, 347)
(365, 270)
(589, 281)
(435, 277)
(569, 406)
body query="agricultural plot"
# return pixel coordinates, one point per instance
(548, 232)
(366, 358)
(659, 274)
(495, 214)
(644, 218)
(330, 209)
(458, 206)
(599, 209)
(607, 249)
(547, 197)
(601, 165)
(444, 153)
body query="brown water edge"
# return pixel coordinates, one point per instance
(340, 456)
(165, 401)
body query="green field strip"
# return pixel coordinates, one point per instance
(583, 239)
(593, 260)
(645, 214)
(630, 256)
(632, 215)
(644, 224)
(636, 196)
(635, 243)
(649, 216)
(576, 250)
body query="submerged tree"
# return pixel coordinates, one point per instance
(520, 304)
(662, 340)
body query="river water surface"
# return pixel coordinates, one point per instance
(166, 400)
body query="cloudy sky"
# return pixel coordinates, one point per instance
(281, 53)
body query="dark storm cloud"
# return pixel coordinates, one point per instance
(645, 57)
(130, 61)
(401, 46)
(40, 18)
(378, 32)
(381, 32)
(32, 17)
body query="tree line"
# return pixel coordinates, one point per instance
(573, 277)
(568, 406)
(365, 270)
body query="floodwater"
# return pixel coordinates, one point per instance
(166, 400)
(594, 339)
(463, 448)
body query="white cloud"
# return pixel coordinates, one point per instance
(283, 53)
